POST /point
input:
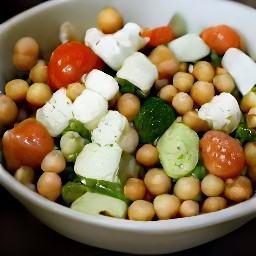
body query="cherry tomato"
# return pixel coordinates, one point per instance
(26, 144)
(223, 156)
(220, 38)
(159, 35)
(69, 62)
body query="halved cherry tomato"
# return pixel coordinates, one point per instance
(220, 38)
(223, 156)
(158, 36)
(26, 144)
(69, 62)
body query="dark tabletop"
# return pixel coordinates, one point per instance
(22, 234)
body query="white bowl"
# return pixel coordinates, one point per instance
(156, 237)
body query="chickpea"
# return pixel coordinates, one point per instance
(109, 20)
(187, 188)
(134, 189)
(238, 189)
(38, 94)
(74, 90)
(8, 110)
(148, 196)
(251, 118)
(25, 175)
(248, 101)
(166, 206)
(251, 172)
(26, 52)
(213, 204)
(250, 153)
(212, 185)
(203, 71)
(202, 92)
(167, 69)
(224, 83)
(167, 93)
(141, 210)
(182, 103)
(17, 89)
(54, 161)
(161, 53)
(192, 120)
(39, 73)
(189, 208)
(160, 83)
(128, 105)
(129, 141)
(157, 181)
(183, 81)
(49, 185)
(184, 66)
(220, 71)
(147, 155)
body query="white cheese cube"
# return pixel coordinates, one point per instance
(110, 128)
(241, 67)
(221, 113)
(129, 36)
(109, 50)
(139, 70)
(56, 113)
(129, 140)
(92, 36)
(102, 83)
(89, 107)
(189, 48)
(99, 162)
(113, 49)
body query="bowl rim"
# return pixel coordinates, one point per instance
(18, 190)
(52, 3)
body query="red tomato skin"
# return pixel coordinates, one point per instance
(223, 156)
(26, 144)
(69, 62)
(158, 35)
(220, 38)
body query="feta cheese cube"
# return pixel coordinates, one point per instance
(129, 36)
(139, 70)
(222, 112)
(99, 162)
(56, 113)
(110, 128)
(89, 107)
(113, 49)
(102, 83)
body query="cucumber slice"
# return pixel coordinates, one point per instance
(178, 150)
(99, 204)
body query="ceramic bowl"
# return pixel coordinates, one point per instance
(156, 237)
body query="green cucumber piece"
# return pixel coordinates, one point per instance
(99, 204)
(178, 150)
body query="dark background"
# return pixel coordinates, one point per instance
(22, 234)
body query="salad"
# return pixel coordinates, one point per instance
(135, 123)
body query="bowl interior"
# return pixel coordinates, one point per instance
(43, 22)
